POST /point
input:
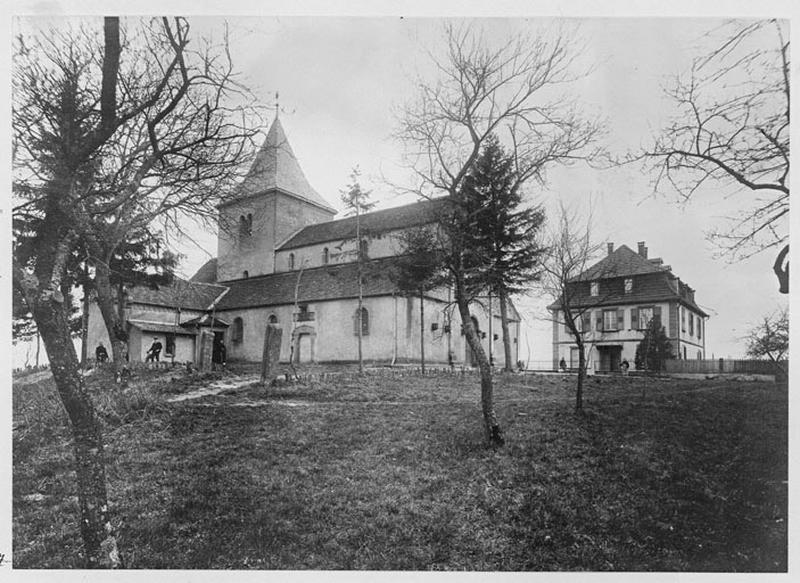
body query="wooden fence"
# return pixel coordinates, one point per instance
(723, 365)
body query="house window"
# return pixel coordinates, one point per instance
(326, 256)
(683, 319)
(594, 288)
(628, 285)
(699, 328)
(691, 324)
(609, 320)
(169, 350)
(364, 322)
(364, 248)
(237, 333)
(291, 260)
(645, 315)
(586, 322)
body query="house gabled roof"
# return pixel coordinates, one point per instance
(182, 294)
(621, 262)
(401, 217)
(276, 168)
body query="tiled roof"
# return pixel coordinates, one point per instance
(401, 217)
(622, 262)
(207, 273)
(321, 283)
(276, 167)
(205, 320)
(647, 288)
(181, 294)
(147, 326)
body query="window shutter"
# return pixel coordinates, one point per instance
(620, 319)
(657, 314)
(587, 322)
(634, 319)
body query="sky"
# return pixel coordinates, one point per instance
(342, 79)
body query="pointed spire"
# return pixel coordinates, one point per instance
(276, 168)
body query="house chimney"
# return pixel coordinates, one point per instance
(642, 249)
(610, 248)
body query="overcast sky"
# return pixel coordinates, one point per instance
(341, 80)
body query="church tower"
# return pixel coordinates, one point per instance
(273, 201)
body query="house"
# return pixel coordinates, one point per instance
(616, 299)
(283, 259)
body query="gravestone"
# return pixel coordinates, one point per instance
(206, 349)
(272, 352)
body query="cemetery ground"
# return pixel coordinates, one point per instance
(391, 472)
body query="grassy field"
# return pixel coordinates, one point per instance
(392, 473)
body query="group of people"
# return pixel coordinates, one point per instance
(624, 366)
(218, 354)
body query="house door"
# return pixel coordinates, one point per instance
(574, 358)
(304, 348)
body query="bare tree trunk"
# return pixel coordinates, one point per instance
(509, 367)
(492, 428)
(114, 321)
(99, 537)
(581, 377)
(422, 330)
(781, 269)
(85, 327)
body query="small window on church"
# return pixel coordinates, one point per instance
(325, 256)
(291, 260)
(245, 274)
(273, 319)
(237, 332)
(364, 322)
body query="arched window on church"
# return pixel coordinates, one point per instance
(245, 274)
(237, 331)
(291, 260)
(245, 226)
(326, 256)
(273, 319)
(364, 322)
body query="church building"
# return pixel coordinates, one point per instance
(283, 259)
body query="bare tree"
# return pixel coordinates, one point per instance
(731, 129)
(109, 134)
(770, 339)
(177, 144)
(509, 89)
(570, 253)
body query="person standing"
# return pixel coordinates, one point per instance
(154, 352)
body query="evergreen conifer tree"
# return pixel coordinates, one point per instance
(503, 254)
